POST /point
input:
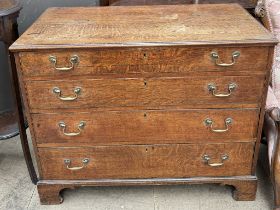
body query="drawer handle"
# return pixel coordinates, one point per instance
(73, 61)
(209, 123)
(212, 88)
(81, 127)
(68, 163)
(207, 159)
(58, 92)
(216, 57)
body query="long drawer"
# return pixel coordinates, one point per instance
(143, 60)
(147, 161)
(185, 92)
(145, 127)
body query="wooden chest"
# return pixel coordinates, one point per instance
(145, 95)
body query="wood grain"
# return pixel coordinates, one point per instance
(143, 26)
(141, 61)
(8, 125)
(144, 73)
(8, 4)
(50, 190)
(145, 127)
(263, 109)
(147, 161)
(149, 93)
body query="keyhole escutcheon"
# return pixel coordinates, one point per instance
(145, 55)
(145, 83)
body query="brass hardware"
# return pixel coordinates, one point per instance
(81, 127)
(67, 162)
(58, 92)
(207, 159)
(209, 123)
(74, 60)
(216, 57)
(212, 88)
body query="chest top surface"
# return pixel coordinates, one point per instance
(143, 26)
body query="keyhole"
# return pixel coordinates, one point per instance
(145, 115)
(146, 149)
(145, 82)
(145, 55)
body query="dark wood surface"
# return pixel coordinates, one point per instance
(104, 2)
(8, 125)
(21, 121)
(180, 25)
(9, 10)
(271, 128)
(244, 186)
(8, 7)
(271, 132)
(135, 113)
(13, 123)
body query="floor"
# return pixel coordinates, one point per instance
(17, 192)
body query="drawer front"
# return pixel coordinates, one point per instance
(145, 127)
(142, 60)
(201, 92)
(147, 161)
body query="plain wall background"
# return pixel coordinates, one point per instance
(32, 9)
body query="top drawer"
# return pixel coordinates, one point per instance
(143, 60)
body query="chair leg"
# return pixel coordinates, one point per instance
(276, 177)
(276, 196)
(20, 118)
(104, 3)
(271, 131)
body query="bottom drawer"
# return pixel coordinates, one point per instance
(147, 161)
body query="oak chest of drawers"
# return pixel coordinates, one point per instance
(145, 96)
